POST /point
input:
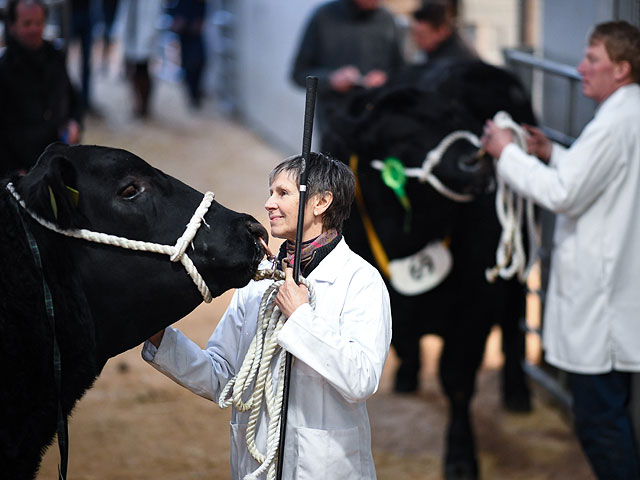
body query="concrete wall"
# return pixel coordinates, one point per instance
(267, 34)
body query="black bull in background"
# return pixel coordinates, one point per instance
(103, 299)
(403, 123)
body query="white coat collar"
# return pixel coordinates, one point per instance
(327, 270)
(617, 98)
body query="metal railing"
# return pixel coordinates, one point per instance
(520, 61)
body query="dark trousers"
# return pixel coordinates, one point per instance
(603, 424)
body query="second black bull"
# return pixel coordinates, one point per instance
(385, 134)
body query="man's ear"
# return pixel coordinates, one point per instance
(622, 71)
(49, 189)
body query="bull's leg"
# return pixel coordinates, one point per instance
(516, 395)
(406, 341)
(408, 350)
(460, 360)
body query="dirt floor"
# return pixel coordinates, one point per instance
(136, 424)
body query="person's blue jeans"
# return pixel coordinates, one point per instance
(603, 424)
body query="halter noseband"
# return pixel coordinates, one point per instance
(432, 159)
(176, 252)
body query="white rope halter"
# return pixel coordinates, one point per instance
(176, 252)
(263, 352)
(510, 255)
(432, 159)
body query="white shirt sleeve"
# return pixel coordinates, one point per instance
(203, 371)
(574, 178)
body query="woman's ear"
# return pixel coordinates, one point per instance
(322, 202)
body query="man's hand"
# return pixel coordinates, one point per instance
(538, 144)
(494, 139)
(374, 79)
(74, 132)
(291, 295)
(345, 78)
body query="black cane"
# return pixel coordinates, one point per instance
(310, 106)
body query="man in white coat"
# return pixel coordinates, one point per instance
(592, 316)
(339, 348)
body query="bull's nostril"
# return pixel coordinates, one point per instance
(256, 229)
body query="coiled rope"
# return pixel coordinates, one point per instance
(176, 252)
(263, 352)
(510, 254)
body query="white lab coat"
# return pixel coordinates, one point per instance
(339, 351)
(592, 315)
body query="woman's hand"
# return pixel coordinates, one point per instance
(291, 295)
(156, 338)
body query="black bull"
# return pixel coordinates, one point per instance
(105, 299)
(406, 122)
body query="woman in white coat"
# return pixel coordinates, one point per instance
(339, 348)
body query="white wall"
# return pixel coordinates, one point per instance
(268, 32)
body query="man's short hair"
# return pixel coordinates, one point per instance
(11, 15)
(621, 41)
(324, 174)
(436, 12)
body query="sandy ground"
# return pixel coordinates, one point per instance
(136, 424)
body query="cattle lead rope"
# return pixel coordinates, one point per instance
(257, 365)
(510, 255)
(176, 252)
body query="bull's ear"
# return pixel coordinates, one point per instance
(50, 189)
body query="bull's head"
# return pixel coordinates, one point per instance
(132, 294)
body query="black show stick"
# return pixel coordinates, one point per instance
(310, 106)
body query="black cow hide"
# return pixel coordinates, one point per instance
(406, 121)
(104, 299)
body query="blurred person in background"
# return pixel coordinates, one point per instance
(188, 23)
(82, 23)
(347, 44)
(109, 10)
(140, 34)
(435, 35)
(38, 104)
(592, 302)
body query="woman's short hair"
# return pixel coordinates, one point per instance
(621, 41)
(324, 174)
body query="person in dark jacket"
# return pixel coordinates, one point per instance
(434, 33)
(347, 44)
(38, 104)
(188, 23)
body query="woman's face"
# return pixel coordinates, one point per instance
(282, 207)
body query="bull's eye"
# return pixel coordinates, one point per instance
(131, 191)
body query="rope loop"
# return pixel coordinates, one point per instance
(263, 357)
(175, 252)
